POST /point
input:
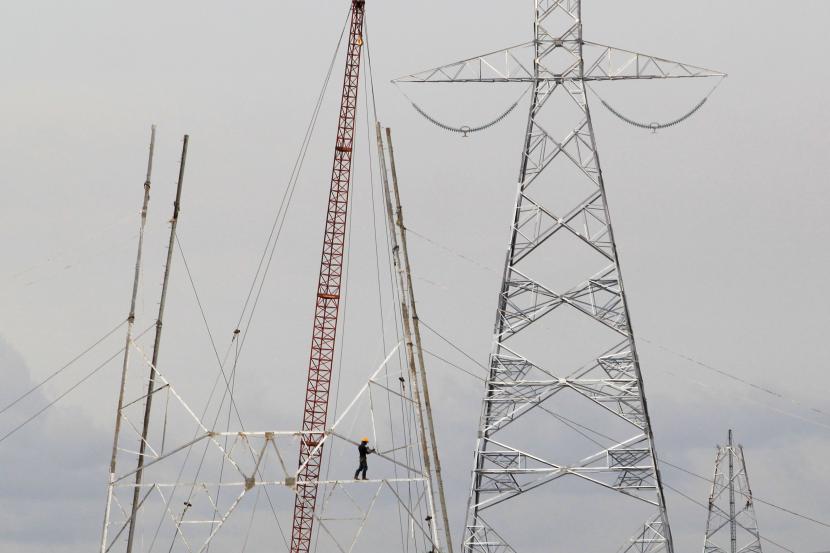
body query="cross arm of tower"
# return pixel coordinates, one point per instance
(515, 65)
(512, 64)
(607, 63)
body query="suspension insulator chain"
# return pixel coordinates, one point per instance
(653, 126)
(464, 130)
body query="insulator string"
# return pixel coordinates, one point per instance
(464, 130)
(655, 126)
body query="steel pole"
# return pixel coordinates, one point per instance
(130, 324)
(156, 345)
(418, 348)
(406, 319)
(733, 534)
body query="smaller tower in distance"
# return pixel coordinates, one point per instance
(731, 526)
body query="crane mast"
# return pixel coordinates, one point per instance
(321, 361)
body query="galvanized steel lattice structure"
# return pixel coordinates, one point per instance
(731, 525)
(562, 268)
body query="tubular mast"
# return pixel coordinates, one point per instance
(416, 330)
(405, 288)
(321, 362)
(130, 325)
(733, 537)
(151, 385)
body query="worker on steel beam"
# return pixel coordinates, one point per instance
(363, 450)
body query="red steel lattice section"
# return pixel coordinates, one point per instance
(321, 360)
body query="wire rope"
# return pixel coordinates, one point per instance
(395, 310)
(288, 194)
(573, 425)
(295, 171)
(251, 522)
(451, 251)
(261, 273)
(69, 390)
(207, 327)
(227, 437)
(272, 241)
(453, 345)
(720, 371)
(754, 497)
(201, 462)
(372, 124)
(706, 507)
(62, 368)
(73, 255)
(451, 364)
(369, 126)
(731, 376)
(277, 226)
(661, 460)
(229, 386)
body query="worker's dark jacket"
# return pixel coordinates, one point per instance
(364, 450)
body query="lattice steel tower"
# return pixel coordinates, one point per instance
(563, 342)
(731, 526)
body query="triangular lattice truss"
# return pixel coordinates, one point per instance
(213, 490)
(564, 413)
(731, 526)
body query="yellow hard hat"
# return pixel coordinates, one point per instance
(365, 440)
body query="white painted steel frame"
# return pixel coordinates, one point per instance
(242, 444)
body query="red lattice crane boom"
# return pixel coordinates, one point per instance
(321, 361)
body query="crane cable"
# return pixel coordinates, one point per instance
(257, 284)
(60, 370)
(655, 126)
(71, 388)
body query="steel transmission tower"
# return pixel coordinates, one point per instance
(731, 526)
(563, 342)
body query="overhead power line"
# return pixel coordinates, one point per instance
(744, 381)
(754, 497)
(768, 503)
(703, 506)
(722, 372)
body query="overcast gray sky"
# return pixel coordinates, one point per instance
(721, 225)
